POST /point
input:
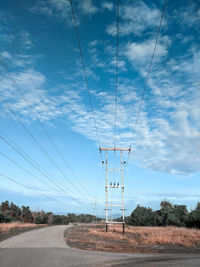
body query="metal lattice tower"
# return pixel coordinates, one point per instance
(109, 205)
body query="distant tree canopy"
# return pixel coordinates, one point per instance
(168, 214)
(142, 216)
(10, 212)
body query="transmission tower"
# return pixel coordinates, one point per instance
(114, 185)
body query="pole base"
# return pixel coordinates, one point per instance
(123, 226)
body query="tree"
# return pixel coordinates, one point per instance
(5, 206)
(50, 218)
(167, 214)
(193, 218)
(181, 213)
(26, 214)
(15, 211)
(34, 216)
(142, 216)
(2, 217)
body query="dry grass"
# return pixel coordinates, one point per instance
(7, 227)
(152, 235)
(136, 240)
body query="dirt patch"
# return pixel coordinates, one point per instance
(11, 229)
(136, 239)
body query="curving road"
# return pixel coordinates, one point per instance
(46, 247)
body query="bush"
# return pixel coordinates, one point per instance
(2, 217)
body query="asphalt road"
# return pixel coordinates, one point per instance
(46, 248)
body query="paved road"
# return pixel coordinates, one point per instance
(46, 248)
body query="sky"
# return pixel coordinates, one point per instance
(45, 109)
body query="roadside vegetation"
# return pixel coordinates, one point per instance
(15, 220)
(167, 215)
(171, 229)
(9, 212)
(8, 227)
(137, 239)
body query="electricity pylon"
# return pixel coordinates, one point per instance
(114, 185)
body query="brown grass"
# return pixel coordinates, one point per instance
(152, 235)
(7, 227)
(137, 239)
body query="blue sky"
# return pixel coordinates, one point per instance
(39, 48)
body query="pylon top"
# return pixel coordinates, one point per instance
(114, 149)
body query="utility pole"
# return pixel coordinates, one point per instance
(95, 211)
(114, 186)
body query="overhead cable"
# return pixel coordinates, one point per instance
(2, 63)
(116, 79)
(14, 114)
(84, 72)
(33, 164)
(148, 74)
(27, 187)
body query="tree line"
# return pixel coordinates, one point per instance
(168, 214)
(10, 212)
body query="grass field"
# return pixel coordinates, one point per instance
(137, 239)
(9, 229)
(152, 235)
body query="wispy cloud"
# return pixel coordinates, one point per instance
(61, 9)
(142, 52)
(87, 7)
(25, 39)
(53, 8)
(107, 5)
(167, 138)
(135, 18)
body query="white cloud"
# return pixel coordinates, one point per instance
(121, 64)
(9, 36)
(107, 5)
(187, 15)
(25, 39)
(168, 131)
(142, 52)
(53, 8)
(61, 9)
(135, 18)
(17, 60)
(93, 43)
(167, 138)
(6, 55)
(87, 7)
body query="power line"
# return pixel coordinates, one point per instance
(84, 71)
(25, 186)
(37, 167)
(148, 74)
(27, 171)
(85, 75)
(117, 59)
(37, 142)
(42, 126)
